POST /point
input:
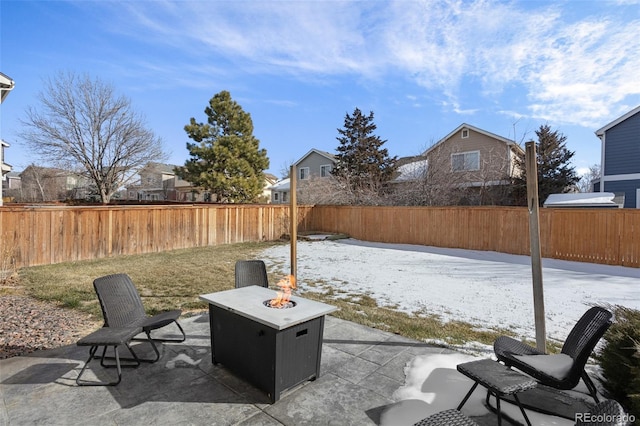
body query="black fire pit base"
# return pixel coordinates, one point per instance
(270, 359)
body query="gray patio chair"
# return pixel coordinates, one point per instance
(251, 272)
(607, 413)
(122, 308)
(560, 371)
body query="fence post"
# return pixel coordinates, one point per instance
(534, 237)
(293, 214)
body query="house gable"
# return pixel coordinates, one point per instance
(483, 156)
(621, 157)
(314, 163)
(621, 143)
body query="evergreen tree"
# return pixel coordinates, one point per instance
(225, 158)
(555, 174)
(361, 160)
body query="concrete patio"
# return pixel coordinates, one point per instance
(361, 368)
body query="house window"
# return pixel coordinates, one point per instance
(465, 133)
(465, 161)
(304, 173)
(275, 196)
(284, 197)
(325, 170)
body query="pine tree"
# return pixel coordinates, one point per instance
(226, 158)
(361, 160)
(555, 174)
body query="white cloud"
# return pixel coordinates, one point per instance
(577, 71)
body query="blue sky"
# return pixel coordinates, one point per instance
(422, 67)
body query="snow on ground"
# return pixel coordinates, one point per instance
(485, 288)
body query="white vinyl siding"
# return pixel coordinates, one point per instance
(465, 161)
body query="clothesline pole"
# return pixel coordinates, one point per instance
(534, 237)
(293, 215)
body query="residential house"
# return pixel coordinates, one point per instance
(38, 184)
(280, 191)
(620, 167)
(4, 169)
(159, 182)
(269, 181)
(11, 186)
(312, 166)
(6, 86)
(469, 166)
(186, 192)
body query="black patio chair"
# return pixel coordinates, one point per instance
(251, 272)
(122, 308)
(560, 371)
(607, 413)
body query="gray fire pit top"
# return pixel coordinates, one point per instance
(249, 302)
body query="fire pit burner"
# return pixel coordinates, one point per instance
(282, 305)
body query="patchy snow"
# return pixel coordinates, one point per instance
(487, 289)
(433, 384)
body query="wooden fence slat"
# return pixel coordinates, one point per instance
(44, 235)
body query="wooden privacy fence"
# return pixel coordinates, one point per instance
(608, 236)
(46, 235)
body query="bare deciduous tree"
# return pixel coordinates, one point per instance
(434, 182)
(82, 126)
(338, 191)
(41, 184)
(585, 184)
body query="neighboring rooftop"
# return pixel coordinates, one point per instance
(585, 199)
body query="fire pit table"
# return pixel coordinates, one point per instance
(274, 349)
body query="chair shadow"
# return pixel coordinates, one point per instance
(41, 373)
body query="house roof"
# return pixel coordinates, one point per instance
(328, 155)
(600, 132)
(283, 185)
(160, 167)
(6, 85)
(582, 199)
(410, 168)
(270, 178)
(477, 130)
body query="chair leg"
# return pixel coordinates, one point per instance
(592, 388)
(153, 345)
(134, 358)
(524, 414)
(92, 353)
(179, 340)
(466, 397)
(152, 341)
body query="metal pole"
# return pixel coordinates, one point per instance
(293, 215)
(534, 237)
